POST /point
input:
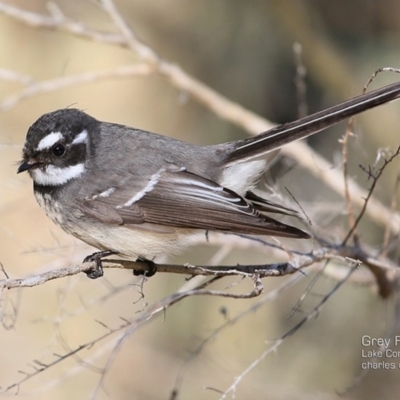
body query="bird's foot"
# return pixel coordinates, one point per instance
(97, 270)
(151, 268)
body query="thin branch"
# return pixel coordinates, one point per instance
(146, 53)
(299, 261)
(375, 179)
(345, 154)
(2, 269)
(266, 270)
(58, 21)
(35, 88)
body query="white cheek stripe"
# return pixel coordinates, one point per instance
(55, 176)
(81, 138)
(49, 140)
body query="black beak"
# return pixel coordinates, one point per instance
(26, 165)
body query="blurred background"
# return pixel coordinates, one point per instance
(244, 50)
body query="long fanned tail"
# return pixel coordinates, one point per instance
(282, 134)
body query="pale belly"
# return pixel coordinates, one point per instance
(129, 241)
(132, 243)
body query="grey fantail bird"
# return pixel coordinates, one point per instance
(138, 194)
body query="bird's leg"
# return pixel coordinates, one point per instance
(97, 270)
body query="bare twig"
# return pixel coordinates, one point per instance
(345, 154)
(297, 263)
(60, 22)
(3, 270)
(268, 270)
(375, 178)
(35, 88)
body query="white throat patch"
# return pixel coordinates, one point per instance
(55, 176)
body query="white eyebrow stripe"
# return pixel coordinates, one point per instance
(81, 138)
(49, 140)
(55, 176)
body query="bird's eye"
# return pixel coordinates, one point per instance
(58, 150)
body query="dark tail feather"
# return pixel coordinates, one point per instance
(303, 127)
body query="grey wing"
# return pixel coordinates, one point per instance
(182, 199)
